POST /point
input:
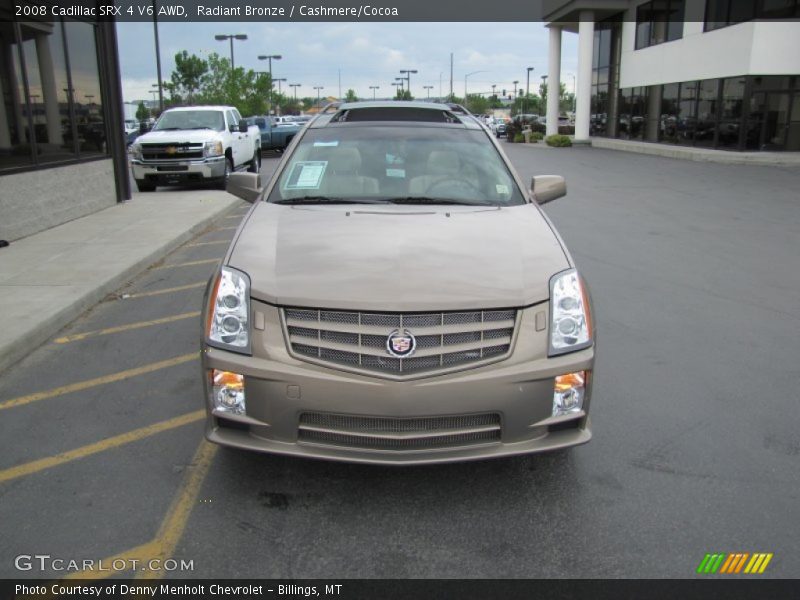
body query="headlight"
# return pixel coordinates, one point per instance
(212, 149)
(570, 316)
(136, 151)
(228, 324)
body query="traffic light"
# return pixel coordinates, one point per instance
(504, 92)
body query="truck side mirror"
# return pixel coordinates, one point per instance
(546, 188)
(246, 186)
(243, 126)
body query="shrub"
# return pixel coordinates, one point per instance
(537, 136)
(518, 138)
(558, 141)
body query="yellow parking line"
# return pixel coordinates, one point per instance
(206, 261)
(224, 228)
(174, 523)
(172, 526)
(105, 379)
(235, 216)
(101, 446)
(207, 243)
(179, 288)
(120, 328)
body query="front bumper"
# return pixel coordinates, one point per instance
(280, 388)
(179, 171)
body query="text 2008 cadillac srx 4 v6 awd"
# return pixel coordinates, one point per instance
(396, 295)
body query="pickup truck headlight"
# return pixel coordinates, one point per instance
(136, 151)
(212, 149)
(570, 314)
(228, 323)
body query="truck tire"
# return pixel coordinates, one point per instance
(255, 164)
(145, 186)
(223, 181)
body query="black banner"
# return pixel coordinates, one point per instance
(733, 588)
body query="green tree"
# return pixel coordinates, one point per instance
(142, 112)
(351, 96)
(245, 90)
(188, 75)
(403, 95)
(562, 96)
(477, 104)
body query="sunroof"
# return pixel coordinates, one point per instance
(400, 113)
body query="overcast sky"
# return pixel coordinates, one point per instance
(365, 53)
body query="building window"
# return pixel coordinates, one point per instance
(659, 21)
(51, 106)
(721, 13)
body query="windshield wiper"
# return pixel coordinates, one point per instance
(433, 200)
(192, 128)
(326, 200)
(167, 129)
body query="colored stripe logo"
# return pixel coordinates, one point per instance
(734, 563)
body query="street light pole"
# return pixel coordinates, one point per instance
(465, 83)
(269, 58)
(295, 86)
(408, 73)
(373, 88)
(318, 88)
(516, 95)
(429, 88)
(528, 88)
(231, 37)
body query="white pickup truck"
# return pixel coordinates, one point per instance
(195, 144)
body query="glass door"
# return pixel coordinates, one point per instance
(776, 121)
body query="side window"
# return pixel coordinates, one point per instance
(237, 116)
(231, 119)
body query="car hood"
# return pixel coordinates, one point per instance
(178, 136)
(398, 258)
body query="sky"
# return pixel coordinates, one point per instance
(365, 54)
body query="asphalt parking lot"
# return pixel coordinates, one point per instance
(693, 272)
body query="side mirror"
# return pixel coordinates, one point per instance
(243, 126)
(246, 186)
(546, 188)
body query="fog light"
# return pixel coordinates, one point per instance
(227, 392)
(568, 393)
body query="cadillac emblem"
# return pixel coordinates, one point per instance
(171, 150)
(400, 343)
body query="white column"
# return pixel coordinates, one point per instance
(583, 102)
(553, 79)
(48, 79)
(5, 133)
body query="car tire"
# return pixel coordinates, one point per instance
(145, 186)
(223, 181)
(255, 164)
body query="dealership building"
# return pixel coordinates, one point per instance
(62, 154)
(721, 74)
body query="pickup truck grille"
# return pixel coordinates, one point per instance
(183, 151)
(358, 340)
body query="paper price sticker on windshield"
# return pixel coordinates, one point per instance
(306, 175)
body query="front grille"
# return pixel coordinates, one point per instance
(389, 433)
(358, 339)
(184, 151)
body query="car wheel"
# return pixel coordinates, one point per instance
(255, 164)
(145, 186)
(223, 182)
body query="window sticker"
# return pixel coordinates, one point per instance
(396, 173)
(306, 175)
(501, 188)
(326, 144)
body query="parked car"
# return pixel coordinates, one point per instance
(274, 136)
(499, 126)
(200, 144)
(396, 295)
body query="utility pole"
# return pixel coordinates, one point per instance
(527, 88)
(158, 61)
(451, 75)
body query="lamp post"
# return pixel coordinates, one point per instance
(280, 93)
(494, 94)
(429, 88)
(269, 57)
(295, 86)
(528, 88)
(574, 93)
(408, 73)
(318, 88)
(398, 85)
(465, 83)
(516, 95)
(373, 88)
(231, 37)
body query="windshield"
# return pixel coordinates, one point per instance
(401, 164)
(191, 119)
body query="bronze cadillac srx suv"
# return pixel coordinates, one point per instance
(397, 296)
